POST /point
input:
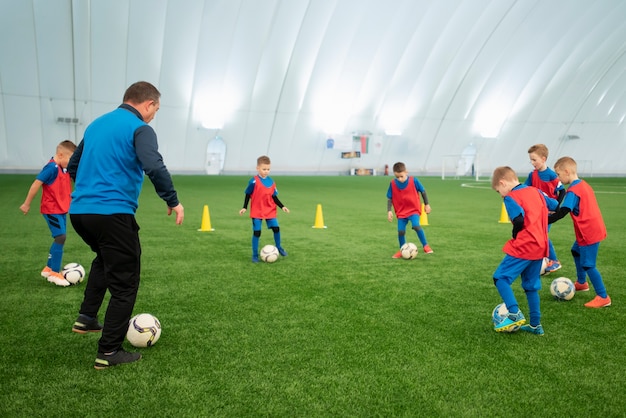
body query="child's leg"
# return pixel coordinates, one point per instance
(506, 293)
(402, 223)
(57, 226)
(531, 283)
(256, 236)
(420, 235)
(581, 275)
(505, 274)
(588, 256)
(56, 253)
(552, 254)
(534, 310)
(273, 225)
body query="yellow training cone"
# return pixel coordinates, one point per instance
(319, 218)
(205, 226)
(423, 217)
(504, 216)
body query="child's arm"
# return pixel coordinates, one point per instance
(280, 204)
(570, 201)
(245, 204)
(389, 212)
(425, 200)
(34, 188)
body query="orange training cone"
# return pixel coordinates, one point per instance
(205, 226)
(504, 216)
(423, 217)
(319, 218)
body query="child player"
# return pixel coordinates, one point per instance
(546, 180)
(527, 208)
(262, 195)
(55, 203)
(403, 196)
(580, 202)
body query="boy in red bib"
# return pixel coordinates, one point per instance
(262, 195)
(403, 196)
(580, 202)
(55, 203)
(546, 180)
(527, 208)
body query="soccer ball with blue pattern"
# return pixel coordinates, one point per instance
(562, 288)
(499, 314)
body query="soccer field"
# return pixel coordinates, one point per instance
(337, 328)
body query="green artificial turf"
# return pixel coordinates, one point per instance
(336, 329)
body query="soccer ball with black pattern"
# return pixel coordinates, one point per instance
(408, 251)
(269, 253)
(73, 273)
(144, 330)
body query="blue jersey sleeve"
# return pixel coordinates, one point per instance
(250, 187)
(48, 174)
(529, 179)
(389, 192)
(571, 202)
(418, 185)
(512, 208)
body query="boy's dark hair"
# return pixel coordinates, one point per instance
(68, 145)
(263, 159)
(140, 92)
(399, 167)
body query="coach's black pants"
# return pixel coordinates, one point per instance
(115, 240)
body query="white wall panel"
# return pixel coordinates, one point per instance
(279, 77)
(109, 48)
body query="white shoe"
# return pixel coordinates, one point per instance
(57, 279)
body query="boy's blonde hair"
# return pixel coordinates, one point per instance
(567, 163)
(539, 149)
(505, 173)
(263, 159)
(399, 167)
(66, 145)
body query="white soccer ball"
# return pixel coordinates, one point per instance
(73, 273)
(144, 330)
(408, 251)
(544, 264)
(499, 314)
(562, 288)
(269, 253)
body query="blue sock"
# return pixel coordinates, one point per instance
(277, 239)
(56, 255)
(533, 307)
(596, 280)
(401, 240)
(506, 293)
(422, 237)
(255, 245)
(581, 275)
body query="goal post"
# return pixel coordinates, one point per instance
(459, 165)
